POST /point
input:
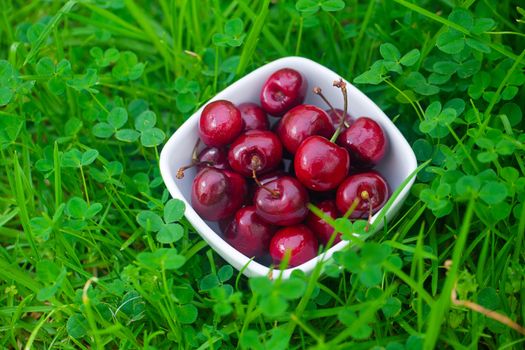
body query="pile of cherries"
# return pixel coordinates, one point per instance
(257, 182)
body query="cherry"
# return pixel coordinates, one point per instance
(248, 233)
(208, 157)
(299, 240)
(263, 180)
(321, 165)
(335, 114)
(369, 189)
(299, 123)
(365, 141)
(282, 201)
(217, 194)
(253, 116)
(214, 157)
(220, 123)
(255, 151)
(335, 117)
(284, 89)
(321, 228)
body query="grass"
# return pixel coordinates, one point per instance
(94, 254)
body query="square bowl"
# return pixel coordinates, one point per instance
(398, 164)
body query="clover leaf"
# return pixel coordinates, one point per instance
(233, 34)
(116, 120)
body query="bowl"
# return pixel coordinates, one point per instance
(398, 164)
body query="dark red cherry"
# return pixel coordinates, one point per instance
(217, 194)
(255, 150)
(370, 189)
(214, 157)
(321, 228)
(282, 201)
(263, 180)
(249, 234)
(365, 141)
(283, 90)
(301, 122)
(253, 116)
(335, 117)
(321, 165)
(220, 123)
(299, 240)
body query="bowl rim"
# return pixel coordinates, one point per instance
(242, 263)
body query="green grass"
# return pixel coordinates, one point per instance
(94, 255)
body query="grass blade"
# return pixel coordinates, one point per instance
(47, 31)
(437, 314)
(253, 38)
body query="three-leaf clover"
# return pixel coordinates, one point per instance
(149, 135)
(109, 173)
(78, 208)
(57, 74)
(437, 198)
(104, 58)
(128, 67)
(437, 120)
(233, 35)
(167, 230)
(392, 59)
(274, 296)
(453, 41)
(76, 159)
(145, 129)
(116, 120)
(367, 263)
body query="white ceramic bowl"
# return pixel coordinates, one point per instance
(397, 165)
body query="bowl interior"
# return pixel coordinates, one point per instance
(398, 163)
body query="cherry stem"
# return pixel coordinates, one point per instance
(194, 161)
(341, 85)
(317, 90)
(180, 172)
(194, 156)
(255, 165)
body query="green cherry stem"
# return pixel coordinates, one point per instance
(341, 85)
(317, 90)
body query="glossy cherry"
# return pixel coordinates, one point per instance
(370, 190)
(217, 194)
(335, 117)
(220, 123)
(301, 122)
(282, 201)
(248, 233)
(208, 157)
(214, 157)
(283, 90)
(365, 141)
(255, 151)
(298, 240)
(321, 228)
(320, 164)
(263, 180)
(253, 116)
